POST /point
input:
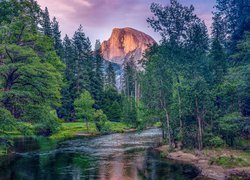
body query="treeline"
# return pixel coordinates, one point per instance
(196, 85)
(44, 79)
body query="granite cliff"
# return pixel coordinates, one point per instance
(124, 44)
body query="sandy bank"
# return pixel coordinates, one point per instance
(201, 161)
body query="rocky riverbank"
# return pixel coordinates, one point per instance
(202, 160)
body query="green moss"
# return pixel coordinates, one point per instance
(229, 162)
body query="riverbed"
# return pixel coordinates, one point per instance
(127, 156)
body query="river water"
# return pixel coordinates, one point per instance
(128, 156)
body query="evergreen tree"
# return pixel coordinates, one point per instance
(98, 81)
(111, 104)
(46, 23)
(129, 78)
(56, 34)
(235, 16)
(110, 76)
(67, 110)
(83, 62)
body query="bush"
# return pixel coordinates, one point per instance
(100, 118)
(25, 129)
(232, 126)
(216, 142)
(44, 119)
(229, 162)
(7, 121)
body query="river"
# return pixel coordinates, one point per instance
(128, 156)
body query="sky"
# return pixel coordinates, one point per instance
(99, 17)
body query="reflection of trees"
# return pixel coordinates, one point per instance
(125, 166)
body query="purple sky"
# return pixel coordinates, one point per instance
(99, 17)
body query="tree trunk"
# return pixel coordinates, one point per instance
(199, 120)
(168, 126)
(179, 103)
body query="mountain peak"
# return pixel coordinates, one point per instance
(126, 43)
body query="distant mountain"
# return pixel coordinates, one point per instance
(126, 43)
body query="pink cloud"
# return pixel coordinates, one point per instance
(98, 17)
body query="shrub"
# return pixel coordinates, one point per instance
(216, 142)
(229, 162)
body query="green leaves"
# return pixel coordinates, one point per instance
(31, 71)
(84, 106)
(7, 121)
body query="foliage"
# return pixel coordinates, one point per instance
(216, 142)
(84, 107)
(70, 130)
(229, 162)
(7, 121)
(31, 71)
(111, 104)
(100, 118)
(110, 76)
(194, 84)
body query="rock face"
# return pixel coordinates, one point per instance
(124, 44)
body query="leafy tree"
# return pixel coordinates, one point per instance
(7, 121)
(235, 18)
(84, 108)
(100, 118)
(12, 9)
(31, 72)
(184, 45)
(158, 96)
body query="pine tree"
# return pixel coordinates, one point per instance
(56, 34)
(83, 62)
(235, 16)
(129, 78)
(110, 77)
(46, 24)
(67, 110)
(98, 79)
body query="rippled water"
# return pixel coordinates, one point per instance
(127, 156)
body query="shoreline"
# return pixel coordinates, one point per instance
(202, 162)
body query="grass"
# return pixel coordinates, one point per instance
(228, 158)
(229, 162)
(66, 131)
(70, 130)
(117, 127)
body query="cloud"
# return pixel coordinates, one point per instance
(98, 17)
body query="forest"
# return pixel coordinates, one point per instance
(194, 84)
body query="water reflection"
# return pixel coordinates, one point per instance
(111, 157)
